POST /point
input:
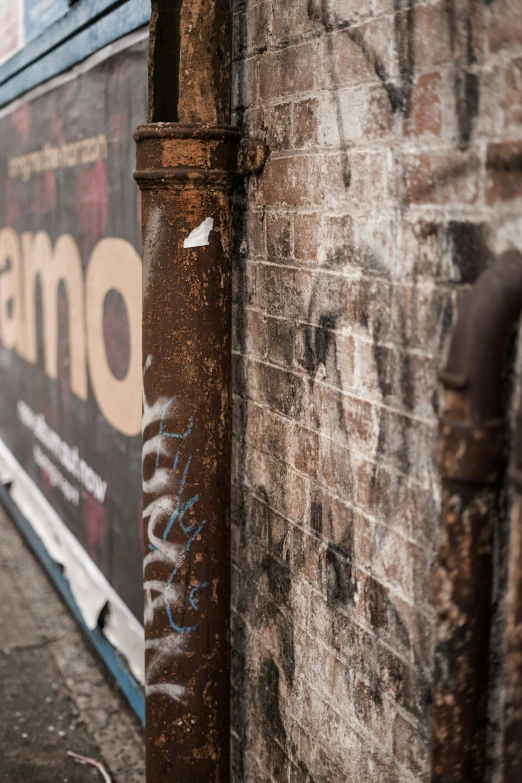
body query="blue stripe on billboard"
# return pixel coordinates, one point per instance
(87, 27)
(40, 14)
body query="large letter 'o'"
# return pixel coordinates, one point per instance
(115, 264)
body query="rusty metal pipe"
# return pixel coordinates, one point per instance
(471, 457)
(513, 691)
(186, 169)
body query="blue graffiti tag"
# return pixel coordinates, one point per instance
(190, 529)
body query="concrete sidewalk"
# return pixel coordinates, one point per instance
(54, 693)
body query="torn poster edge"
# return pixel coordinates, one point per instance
(198, 237)
(90, 589)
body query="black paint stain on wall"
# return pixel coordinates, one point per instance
(278, 608)
(404, 42)
(316, 516)
(276, 738)
(279, 581)
(319, 340)
(320, 345)
(461, 16)
(341, 582)
(469, 249)
(268, 691)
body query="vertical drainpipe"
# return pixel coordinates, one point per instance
(471, 446)
(513, 691)
(186, 165)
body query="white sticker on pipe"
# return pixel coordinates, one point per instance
(199, 236)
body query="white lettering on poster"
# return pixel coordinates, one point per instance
(48, 158)
(67, 455)
(55, 477)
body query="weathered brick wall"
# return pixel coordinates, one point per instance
(395, 140)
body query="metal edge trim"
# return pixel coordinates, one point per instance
(195, 130)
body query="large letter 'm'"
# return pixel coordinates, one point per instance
(62, 265)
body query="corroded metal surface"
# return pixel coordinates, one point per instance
(513, 695)
(185, 174)
(463, 590)
(471, 452)
(189, 61)
(471, 459)
(513, 703)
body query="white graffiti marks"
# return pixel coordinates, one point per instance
(170, 514)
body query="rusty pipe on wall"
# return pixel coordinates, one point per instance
(513, 691)
(186, 168)
(512, 756)
(471, 458)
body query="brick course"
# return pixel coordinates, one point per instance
(393, 178)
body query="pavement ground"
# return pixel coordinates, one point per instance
(55, 695)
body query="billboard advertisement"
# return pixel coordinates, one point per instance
(70, 304)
